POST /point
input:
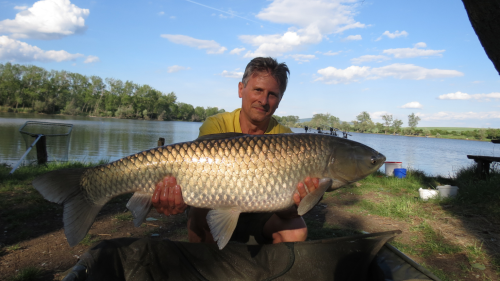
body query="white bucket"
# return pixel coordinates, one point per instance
(426, 194)
(446, 191)
(390, 166)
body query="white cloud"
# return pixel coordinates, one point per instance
(330, 53)
(177, 68)
(378, 114)
(302, 58)
(402, 53)
(368, 58)
(332, 75)
(393, 35)
(413, 104)
(16, 51)
(237, 51)
(47, 19)
(311, 20)
(232, 74)
(211, 46)
(172, 17)
(91, 59)
(465, 96)
(459, 115)
(352, 38)
(20, 8)
(455, 96)
(161, 13)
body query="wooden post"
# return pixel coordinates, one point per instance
(41, 150)
(161, 142)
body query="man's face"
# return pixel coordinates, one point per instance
(260, 98)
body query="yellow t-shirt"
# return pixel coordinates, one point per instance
(229, 122)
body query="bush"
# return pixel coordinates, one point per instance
(125, 112)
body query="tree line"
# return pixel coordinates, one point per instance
(29, 88)
(390, 125)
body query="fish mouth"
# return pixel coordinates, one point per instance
(377, 160)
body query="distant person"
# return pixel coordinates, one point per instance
(261, 90)
(319, 130)
(331, 131)
(307, 128)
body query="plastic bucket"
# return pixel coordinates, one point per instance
(426, 194)
(400, 173)
(446, 191)
(390, 166)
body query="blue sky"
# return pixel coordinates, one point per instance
(345, 57)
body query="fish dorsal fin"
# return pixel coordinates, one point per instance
(222, 223)
(311, 199)
(139, 205)
(219, 136)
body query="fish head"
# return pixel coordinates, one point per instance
(351, 161)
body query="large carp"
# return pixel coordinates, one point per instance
(228, 173)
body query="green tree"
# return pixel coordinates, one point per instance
(364, 122)
(397, 125)
(413, 121)
(387, 121)
(185, 112)
(199, 114)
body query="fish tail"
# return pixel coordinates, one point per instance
(63, 187)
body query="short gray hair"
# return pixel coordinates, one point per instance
(279, 71)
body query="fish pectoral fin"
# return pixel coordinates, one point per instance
(311, 199)
(139, 205)
(336, 185)
(222, 223)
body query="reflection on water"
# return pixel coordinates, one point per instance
(94, 139)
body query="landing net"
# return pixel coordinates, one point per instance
(57, 139)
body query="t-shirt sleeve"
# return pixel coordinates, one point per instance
(209, 127)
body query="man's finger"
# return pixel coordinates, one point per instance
(309, 184)
(315, 182)
(302, 190)
(171, 197)
(156, 195)
(164, 196)
(296, 198)
(179, 202)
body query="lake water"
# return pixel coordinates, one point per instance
(93, 139)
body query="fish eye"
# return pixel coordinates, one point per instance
(374, 161)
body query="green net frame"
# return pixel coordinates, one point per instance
(57, 139)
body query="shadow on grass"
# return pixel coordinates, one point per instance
(24, 214)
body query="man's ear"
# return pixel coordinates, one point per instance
(240, 89)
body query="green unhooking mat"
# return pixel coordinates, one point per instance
(346, 258)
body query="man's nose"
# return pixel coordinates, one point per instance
(264, 98)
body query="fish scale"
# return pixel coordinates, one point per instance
(229, 174)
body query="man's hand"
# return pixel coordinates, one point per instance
(311, 184)
(167, 197)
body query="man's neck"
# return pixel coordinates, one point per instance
(247, 127)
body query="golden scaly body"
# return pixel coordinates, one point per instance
(256, 173)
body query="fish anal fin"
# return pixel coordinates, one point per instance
(222, 223)
(139, 204)
(311, 199)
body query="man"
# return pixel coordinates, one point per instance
(261, 90)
